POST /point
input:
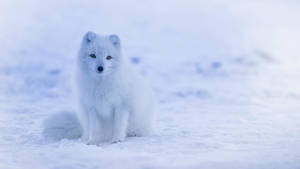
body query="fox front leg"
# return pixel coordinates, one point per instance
(120, 123)
(94, 128)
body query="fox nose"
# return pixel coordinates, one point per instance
(100, 69)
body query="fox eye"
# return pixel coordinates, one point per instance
(108, 57)
(93, 55)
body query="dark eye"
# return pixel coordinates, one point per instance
(108, 57)
(93, 55)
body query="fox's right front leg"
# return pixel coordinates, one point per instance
(90, 126)
(94, 128)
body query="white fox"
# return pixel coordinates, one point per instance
(113, 100)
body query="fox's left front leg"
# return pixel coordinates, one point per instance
(120, 123)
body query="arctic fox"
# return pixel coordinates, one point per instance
(114, 102)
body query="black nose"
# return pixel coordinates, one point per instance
(100, 69)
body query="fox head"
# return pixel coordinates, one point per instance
(100, 55)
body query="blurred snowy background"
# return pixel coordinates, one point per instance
(226, 75)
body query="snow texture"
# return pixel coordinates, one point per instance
(226, 75)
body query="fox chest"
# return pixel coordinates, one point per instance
(105, 100)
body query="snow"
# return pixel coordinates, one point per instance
(226, 75)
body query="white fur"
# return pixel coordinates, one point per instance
(62, 125)
(114, 103)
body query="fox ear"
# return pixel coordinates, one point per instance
(115, 40)
(89, 36)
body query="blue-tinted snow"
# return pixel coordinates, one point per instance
(225, 74)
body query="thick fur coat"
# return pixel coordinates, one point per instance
(114, 102)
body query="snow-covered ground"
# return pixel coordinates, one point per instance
(226, 75)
